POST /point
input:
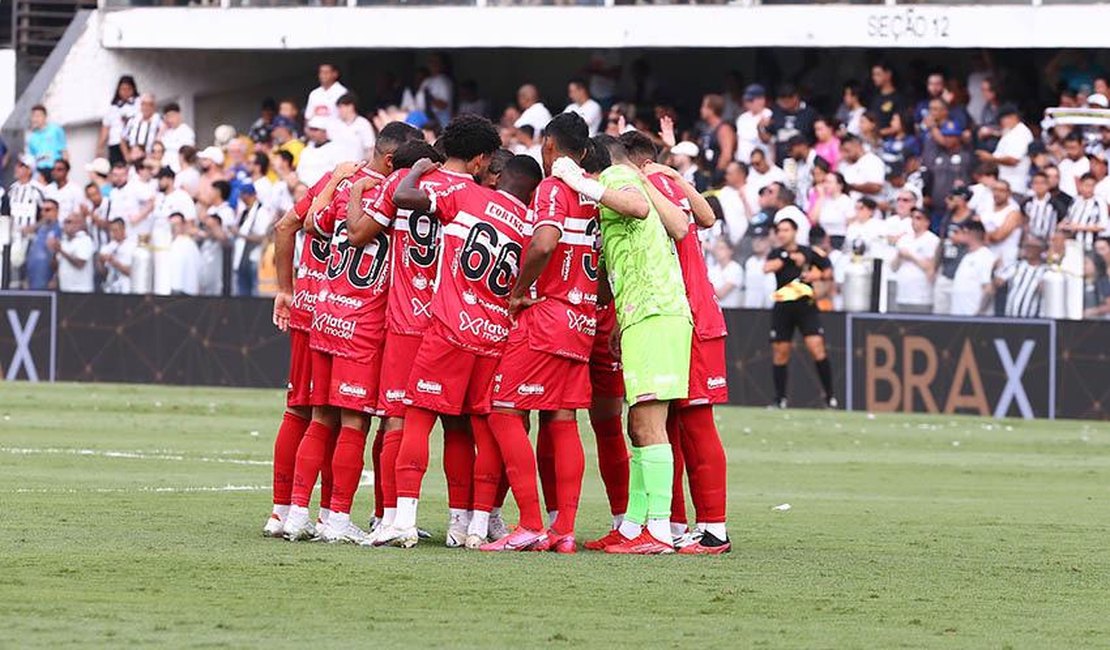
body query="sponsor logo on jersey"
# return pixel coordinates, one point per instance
(469, 297)
(429, 387)
(352, 390)
(574, 296)
(394, 395)
(568, 259)
(582, 323)
(338, 299)
(334, 326)
(421, 308)
(530, 389)
(482, 327)
(419, 282)
(715, 382)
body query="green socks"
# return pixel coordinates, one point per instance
(649, 484)
(637, 510)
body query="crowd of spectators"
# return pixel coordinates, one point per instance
(966, 200)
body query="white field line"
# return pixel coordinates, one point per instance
(136, 455)
(144, 488)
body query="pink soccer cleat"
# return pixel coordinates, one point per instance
(519, 540)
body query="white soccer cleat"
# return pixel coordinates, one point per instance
(497, 527)
(274, 528)
(457, 533)
(474, 542)
(350, 534)
(687, 539)
(399, 537)
(297, 526)
(374, 523)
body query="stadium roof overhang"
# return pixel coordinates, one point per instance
(874, 26)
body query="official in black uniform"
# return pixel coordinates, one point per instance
(796, 268)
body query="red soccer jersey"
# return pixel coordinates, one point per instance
(310, 271)
(414, 253)
(565, 322)
(483, 238)
(709, 322)
(350, 309)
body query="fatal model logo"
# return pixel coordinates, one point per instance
(333, 325)
(582, 323)
(482, 327)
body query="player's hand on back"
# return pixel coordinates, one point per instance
(567, 170)
(520, 303)
(652, 168)
(346, 169)
(282, 304)
(424, 166)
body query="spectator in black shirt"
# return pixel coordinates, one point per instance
(790, 117)
(952, 247)
(950, 165)
(887, 102)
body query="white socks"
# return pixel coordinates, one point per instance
(479, 524)
(338, 520)
(660, 529)
(617, 519)
(388, 516)
(406, 513)
(678, 530)
(323, 515)
(630, 530)
(717, 530)
(281, 511)
(551, 515)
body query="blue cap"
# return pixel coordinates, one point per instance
(417, 119)
(950, 128)
(247, 188)
(282, 122)
(753, 91)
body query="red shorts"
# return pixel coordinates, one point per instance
(400, 351)
(346, 383)
(447, 379)
(530, 380)
(606, 376)
(708, 374)
(299, 389)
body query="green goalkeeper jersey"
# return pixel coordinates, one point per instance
(640, 257)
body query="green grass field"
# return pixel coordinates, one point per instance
(131, 516)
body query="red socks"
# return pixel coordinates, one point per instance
(706, 464)
(412, 457)
(612, 462)
(311, 456)
(502, 487)
(487, 465)
(520, 466)
(347, 464)
(458, 466)
(545, 462)
(570, 465)
(376, 460)
(285, 455)
(391, 444)
(678, 496)
(326, 473)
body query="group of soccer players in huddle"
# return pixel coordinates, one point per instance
(463, 284)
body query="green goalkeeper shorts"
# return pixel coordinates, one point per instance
(655, 354)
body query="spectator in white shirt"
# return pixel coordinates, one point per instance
(532, 110)
(972, 285)
(1087, 217)
(169, 200)
(913, 265)
(752, 125)
(124, 106)
(761, 173)
(578, 92)
(122, 201)
(251, 231)
(321, 155)
(726, 275)
(142, 186)
(833, 208)
(69, 196)
(175, 135)
(142, 130)
(864, 172)
(188, 173)
(350, 131)
(736, 210)
(323, 100)
(866, 232)
(759, 285)
(212, 235)
(184, 259)
(1012, 151)
(1004, 225)
(115, 259)
(1073, 165)
(74, 256)
(528, 144)
(435, 95)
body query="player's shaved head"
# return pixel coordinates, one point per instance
(520, 177)
(393, 135)
(597, 157)
(565, 135)
(408, 153)
(469, 136)
(639, 147)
